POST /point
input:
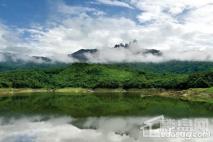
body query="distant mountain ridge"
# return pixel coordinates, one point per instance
(79, 56)
(82, 54)
(15, 58)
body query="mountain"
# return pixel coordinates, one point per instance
(21, 58)
(112, 76)
(83, 55)
(153, 52)
(13, 61)
(42, 59)
(9, 57)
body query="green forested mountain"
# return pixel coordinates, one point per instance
(10, 66)
(180, 67)
(170, 75)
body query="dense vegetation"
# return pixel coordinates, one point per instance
(103, 105)
(170, 75)
(9, 66)
(179, 67)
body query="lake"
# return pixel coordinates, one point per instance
(68, 129)
(105, 117)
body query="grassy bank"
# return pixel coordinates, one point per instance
(17, 91)
(193, 92)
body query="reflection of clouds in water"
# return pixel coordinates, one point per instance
(63, 129)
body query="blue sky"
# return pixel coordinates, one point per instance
(55, 28)
(23, 13)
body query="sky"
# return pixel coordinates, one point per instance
(55, 28)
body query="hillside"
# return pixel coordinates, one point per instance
(164, 75)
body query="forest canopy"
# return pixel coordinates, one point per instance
(170, 75)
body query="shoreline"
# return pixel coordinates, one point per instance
(192, 94)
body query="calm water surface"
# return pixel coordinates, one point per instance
(107, 127)
(67, 129)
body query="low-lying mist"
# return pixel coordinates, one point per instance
(131, 52)
(137, 55)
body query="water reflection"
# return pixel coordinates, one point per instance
(66, 129)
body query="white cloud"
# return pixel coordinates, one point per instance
(11, 44)
(76, 10)
(84, 32)
(184, 24)
(115, 3)
(5, 37)
(182, 29)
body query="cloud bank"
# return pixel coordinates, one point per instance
(182, 30)
(134, 53)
